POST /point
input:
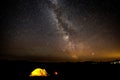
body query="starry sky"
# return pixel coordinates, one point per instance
(60, 30)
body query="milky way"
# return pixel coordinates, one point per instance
(63, 26)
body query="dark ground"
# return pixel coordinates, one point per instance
(20, 70)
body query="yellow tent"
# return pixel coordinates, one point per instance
(38, 72)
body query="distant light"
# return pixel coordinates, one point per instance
(115, 62)
(119, 62)
(55, 73)
(38, 72)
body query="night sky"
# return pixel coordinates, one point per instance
(60, 30)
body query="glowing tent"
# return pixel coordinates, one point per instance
(38, 72)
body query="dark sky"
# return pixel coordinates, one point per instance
(60, 30)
